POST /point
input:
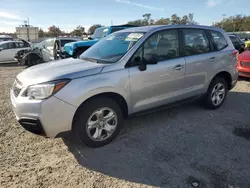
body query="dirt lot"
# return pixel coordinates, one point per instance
(174, 148)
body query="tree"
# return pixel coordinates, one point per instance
(163, 21)
(191, 20)
(143, 22)
(41, 33)
(136, 22)
(184, 20)
(79, 31)
(93, 28)
(54, 31)
(146, 20)
(235, 23)
(175, 19)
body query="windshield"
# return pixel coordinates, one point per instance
(112, 48)
(100, 33)
(38, 45)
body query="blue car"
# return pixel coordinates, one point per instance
(74, 49)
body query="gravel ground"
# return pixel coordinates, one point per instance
(185, 146)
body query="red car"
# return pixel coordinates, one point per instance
(243, 65)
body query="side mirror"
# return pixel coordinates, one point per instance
(150, 58)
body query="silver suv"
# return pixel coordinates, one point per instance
(127, 72)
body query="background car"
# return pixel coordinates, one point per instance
(8, 49)
(5, 38)
(75, 49)
(237, 42)
(58, 49)
(243, 65)
(45, 51)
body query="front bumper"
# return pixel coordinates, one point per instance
(243, 71)
(48, 117)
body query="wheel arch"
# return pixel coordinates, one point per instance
(227, 76)
(119, 99)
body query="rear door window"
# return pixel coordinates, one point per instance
(12, 45)
(219, 40)
(195, 42)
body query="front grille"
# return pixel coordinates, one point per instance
(17, 87)
(245, 64)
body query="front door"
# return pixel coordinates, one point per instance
(160, 83)
(7, 52)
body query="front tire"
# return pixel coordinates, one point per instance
(216, 93)
(98, 122)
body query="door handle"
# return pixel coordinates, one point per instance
(212, 59)
(178, 67)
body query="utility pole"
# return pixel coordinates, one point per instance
(111, 22)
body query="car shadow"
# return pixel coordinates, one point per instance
(172, 147)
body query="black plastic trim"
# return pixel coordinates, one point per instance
(33, 126)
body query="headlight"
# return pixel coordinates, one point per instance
(45, 90)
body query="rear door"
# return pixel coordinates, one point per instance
(197, 50)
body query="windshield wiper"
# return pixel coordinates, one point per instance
(90, 59)
(101, 61)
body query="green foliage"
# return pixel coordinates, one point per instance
(234, 23)
(79, 31)
(93, 28)
(174, 19)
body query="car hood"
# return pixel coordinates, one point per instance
(244, 56)
(82, 43)
(70, 47)
(68, 68)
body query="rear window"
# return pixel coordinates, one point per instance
(219, 40)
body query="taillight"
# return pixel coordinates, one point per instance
(235, 52)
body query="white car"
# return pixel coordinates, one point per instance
(8, 49)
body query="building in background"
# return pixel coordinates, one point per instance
(27, 32)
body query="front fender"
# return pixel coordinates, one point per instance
(84, 88)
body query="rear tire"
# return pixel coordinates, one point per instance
(94, 129)
(216, 94)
